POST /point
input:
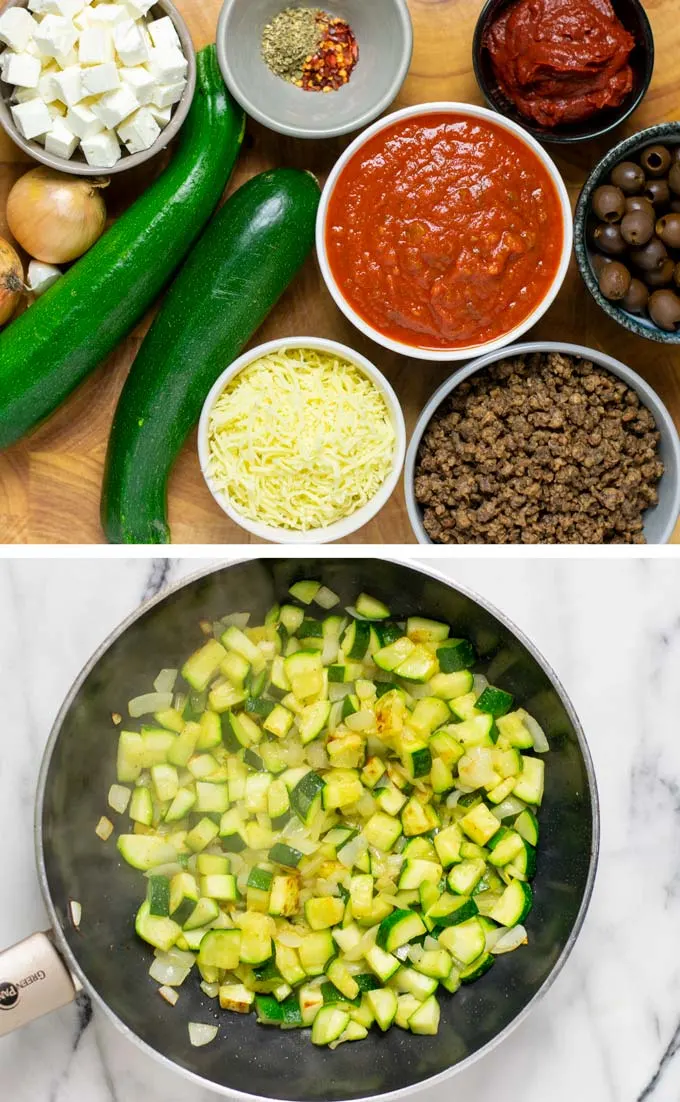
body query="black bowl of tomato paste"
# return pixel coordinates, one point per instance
(565, 70)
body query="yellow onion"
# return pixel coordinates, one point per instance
(11, 280)
(54, 217)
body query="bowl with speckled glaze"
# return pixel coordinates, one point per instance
(666, 133)
(659, 521)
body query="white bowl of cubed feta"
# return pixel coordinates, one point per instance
(94, 87)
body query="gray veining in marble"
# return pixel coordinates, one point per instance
(609, 1029)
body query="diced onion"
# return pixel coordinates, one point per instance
(415, 953)
(541, 744)
(212, 990)
(168, 972)
(475, 768)
(169, 994)
(509, 940)
(453, 798)
(200, 1034)
(326, 598)
(367, 942)
(361, 721)
(352, 851)
(76, 911)
(317, 756)
(329, 653)
(104, 829)
(511, 806)
(165, 682)
(236, 620)
(149, 702)
(431, 944)
(119, 798)
(290, 938)
(338, 690)
(169, 869)
(479, 684)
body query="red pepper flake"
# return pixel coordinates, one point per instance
(332, 64)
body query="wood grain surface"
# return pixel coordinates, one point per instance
(50, 482)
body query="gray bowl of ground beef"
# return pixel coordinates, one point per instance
(544, 442)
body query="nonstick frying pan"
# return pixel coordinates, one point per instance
(104, 957)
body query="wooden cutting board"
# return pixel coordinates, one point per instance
(50, 483)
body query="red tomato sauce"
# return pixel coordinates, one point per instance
(561, 61)
(444, 231)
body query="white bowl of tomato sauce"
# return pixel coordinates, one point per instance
(444, 231)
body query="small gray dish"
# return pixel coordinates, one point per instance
(385, 39)
(666, 133)
(659, 521)
(77, 165)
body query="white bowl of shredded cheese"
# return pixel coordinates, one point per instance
(301, 440)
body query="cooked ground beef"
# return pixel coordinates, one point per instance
(544, 448)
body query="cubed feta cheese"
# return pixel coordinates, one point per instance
(168, 94)
(21, 69)
(67, 8)
(60, 140)
(109, 14)
(81, 21)
(31, 119)
(140, 131)
(163, 32)
(115, 106)
(55, 36)
(103, 150)
(57, 109)
(95, 46)
(22, 95)
(34, 50)
(101, 78)
(141, 82)
(65, 61)
(139, 8)
(69, 84)
(162, 115)
(167, 64)
(81, 120)
(17, 27)
(130, 44)
(35, 5)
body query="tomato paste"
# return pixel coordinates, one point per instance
(444, 231)
(561, 61)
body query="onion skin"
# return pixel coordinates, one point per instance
(11, 280)
(54, 217)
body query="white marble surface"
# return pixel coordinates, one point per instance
(609, 1029)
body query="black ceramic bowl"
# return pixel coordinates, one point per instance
(666, 133)
(248, 1061)
(634, 19)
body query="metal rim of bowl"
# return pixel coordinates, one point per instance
(453, 354)
(582, 249)
(339, 529)
(129, 160)
(645, 392)
(545, 135)
(360, 121)
(392, 1096)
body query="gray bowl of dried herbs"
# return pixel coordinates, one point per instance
(315, 72)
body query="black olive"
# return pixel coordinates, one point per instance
(608, 238)
(629, 177)
(668, 229)
(636, 297)
(656, 160)
(614, 280)
(664, 310)
(676, 275)
(675, 153)
(640, 202)
(609, 203)
(637, 227)
(599, 262)
(650, 256)
(660, 277)
(658, 192)
(675, 205)
(674, 177)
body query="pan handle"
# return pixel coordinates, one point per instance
(33, 981)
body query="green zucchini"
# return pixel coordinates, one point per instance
(50, 348)
(241, 266)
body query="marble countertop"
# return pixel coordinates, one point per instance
(609, 1029)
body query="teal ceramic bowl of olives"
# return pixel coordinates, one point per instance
(627, 233)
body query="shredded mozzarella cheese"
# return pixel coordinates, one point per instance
(299, 440)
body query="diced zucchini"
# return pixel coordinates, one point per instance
(160, 932)
(310, 1001)
(477, 968)
(356, 639)
(372, 771)
(304, 591)
(530, 783)
(480, 824)
(494, 701)
(416, 871)
(514, 904)
(382, 831)
(305, 797)
(526, 824)
(220, 886)
(398, 929)
(450, 910)
(211, 798)
(390, 657)
(316, 951)
(205, 912)
(383, 1003)
(435, 963)
(406, 1007)
(464, 877)
(418, 818)
(420, 665)
(505, 846)
(342, 787)
(324, 911)
(465, 942)
(371, 608)
(312, 720)
(202, 835)
(328, 1025)
(448, 686)
(425, 1020)
(203, 665)
(409, 979)
(220, 949)
(236, 997)
(141, 806)
(345, 982)
(183, 897)
(455, 654)
(158, 896)
(288, 964)
(514, 732)
(256, 944)
(384, 964)
(284, 896)
(235, 640)
(421, 630)
(145, 851)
